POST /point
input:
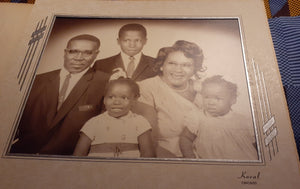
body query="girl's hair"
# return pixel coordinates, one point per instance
(134, 88)
(218, 79)
(189, 49)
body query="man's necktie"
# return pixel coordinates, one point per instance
(63, 90)
(130, 67)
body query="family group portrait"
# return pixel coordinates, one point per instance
(130, 88)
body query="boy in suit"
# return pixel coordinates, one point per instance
(130, 62)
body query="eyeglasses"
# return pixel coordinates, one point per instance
(74, 52)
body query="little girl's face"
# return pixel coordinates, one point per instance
(217, 100)
(118, 100)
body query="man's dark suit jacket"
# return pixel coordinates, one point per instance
(45, 130)
(144, 70)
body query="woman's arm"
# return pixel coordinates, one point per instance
(83, 145)
(186, 143)
(146, 144)
(146, 111)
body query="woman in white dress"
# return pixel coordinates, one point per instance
(171, 93)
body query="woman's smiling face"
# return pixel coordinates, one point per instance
(177, 70)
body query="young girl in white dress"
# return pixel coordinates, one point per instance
(221, 133)
(118, 132)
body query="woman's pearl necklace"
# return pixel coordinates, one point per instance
(182, 90)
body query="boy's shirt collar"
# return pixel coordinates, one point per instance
(126, 59)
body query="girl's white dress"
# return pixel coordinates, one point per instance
(227, 137)
(107, 129)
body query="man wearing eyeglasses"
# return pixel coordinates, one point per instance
(61, 101)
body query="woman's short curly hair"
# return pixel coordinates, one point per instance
(189, 49)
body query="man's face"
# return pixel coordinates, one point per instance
(118, 100)
(217, 100)
(79, 55)
(132, 42)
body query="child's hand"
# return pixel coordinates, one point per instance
(197, 80)
(117, 73)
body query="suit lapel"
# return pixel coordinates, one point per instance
(74, 96)
(52, 91)
(119, 62)
(140, 68)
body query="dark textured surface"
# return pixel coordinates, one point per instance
(286, 38)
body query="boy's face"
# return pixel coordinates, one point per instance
(118, 100)
(217, 100)
(132, 42)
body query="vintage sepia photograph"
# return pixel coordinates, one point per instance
(174, 89)
(143, 94)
